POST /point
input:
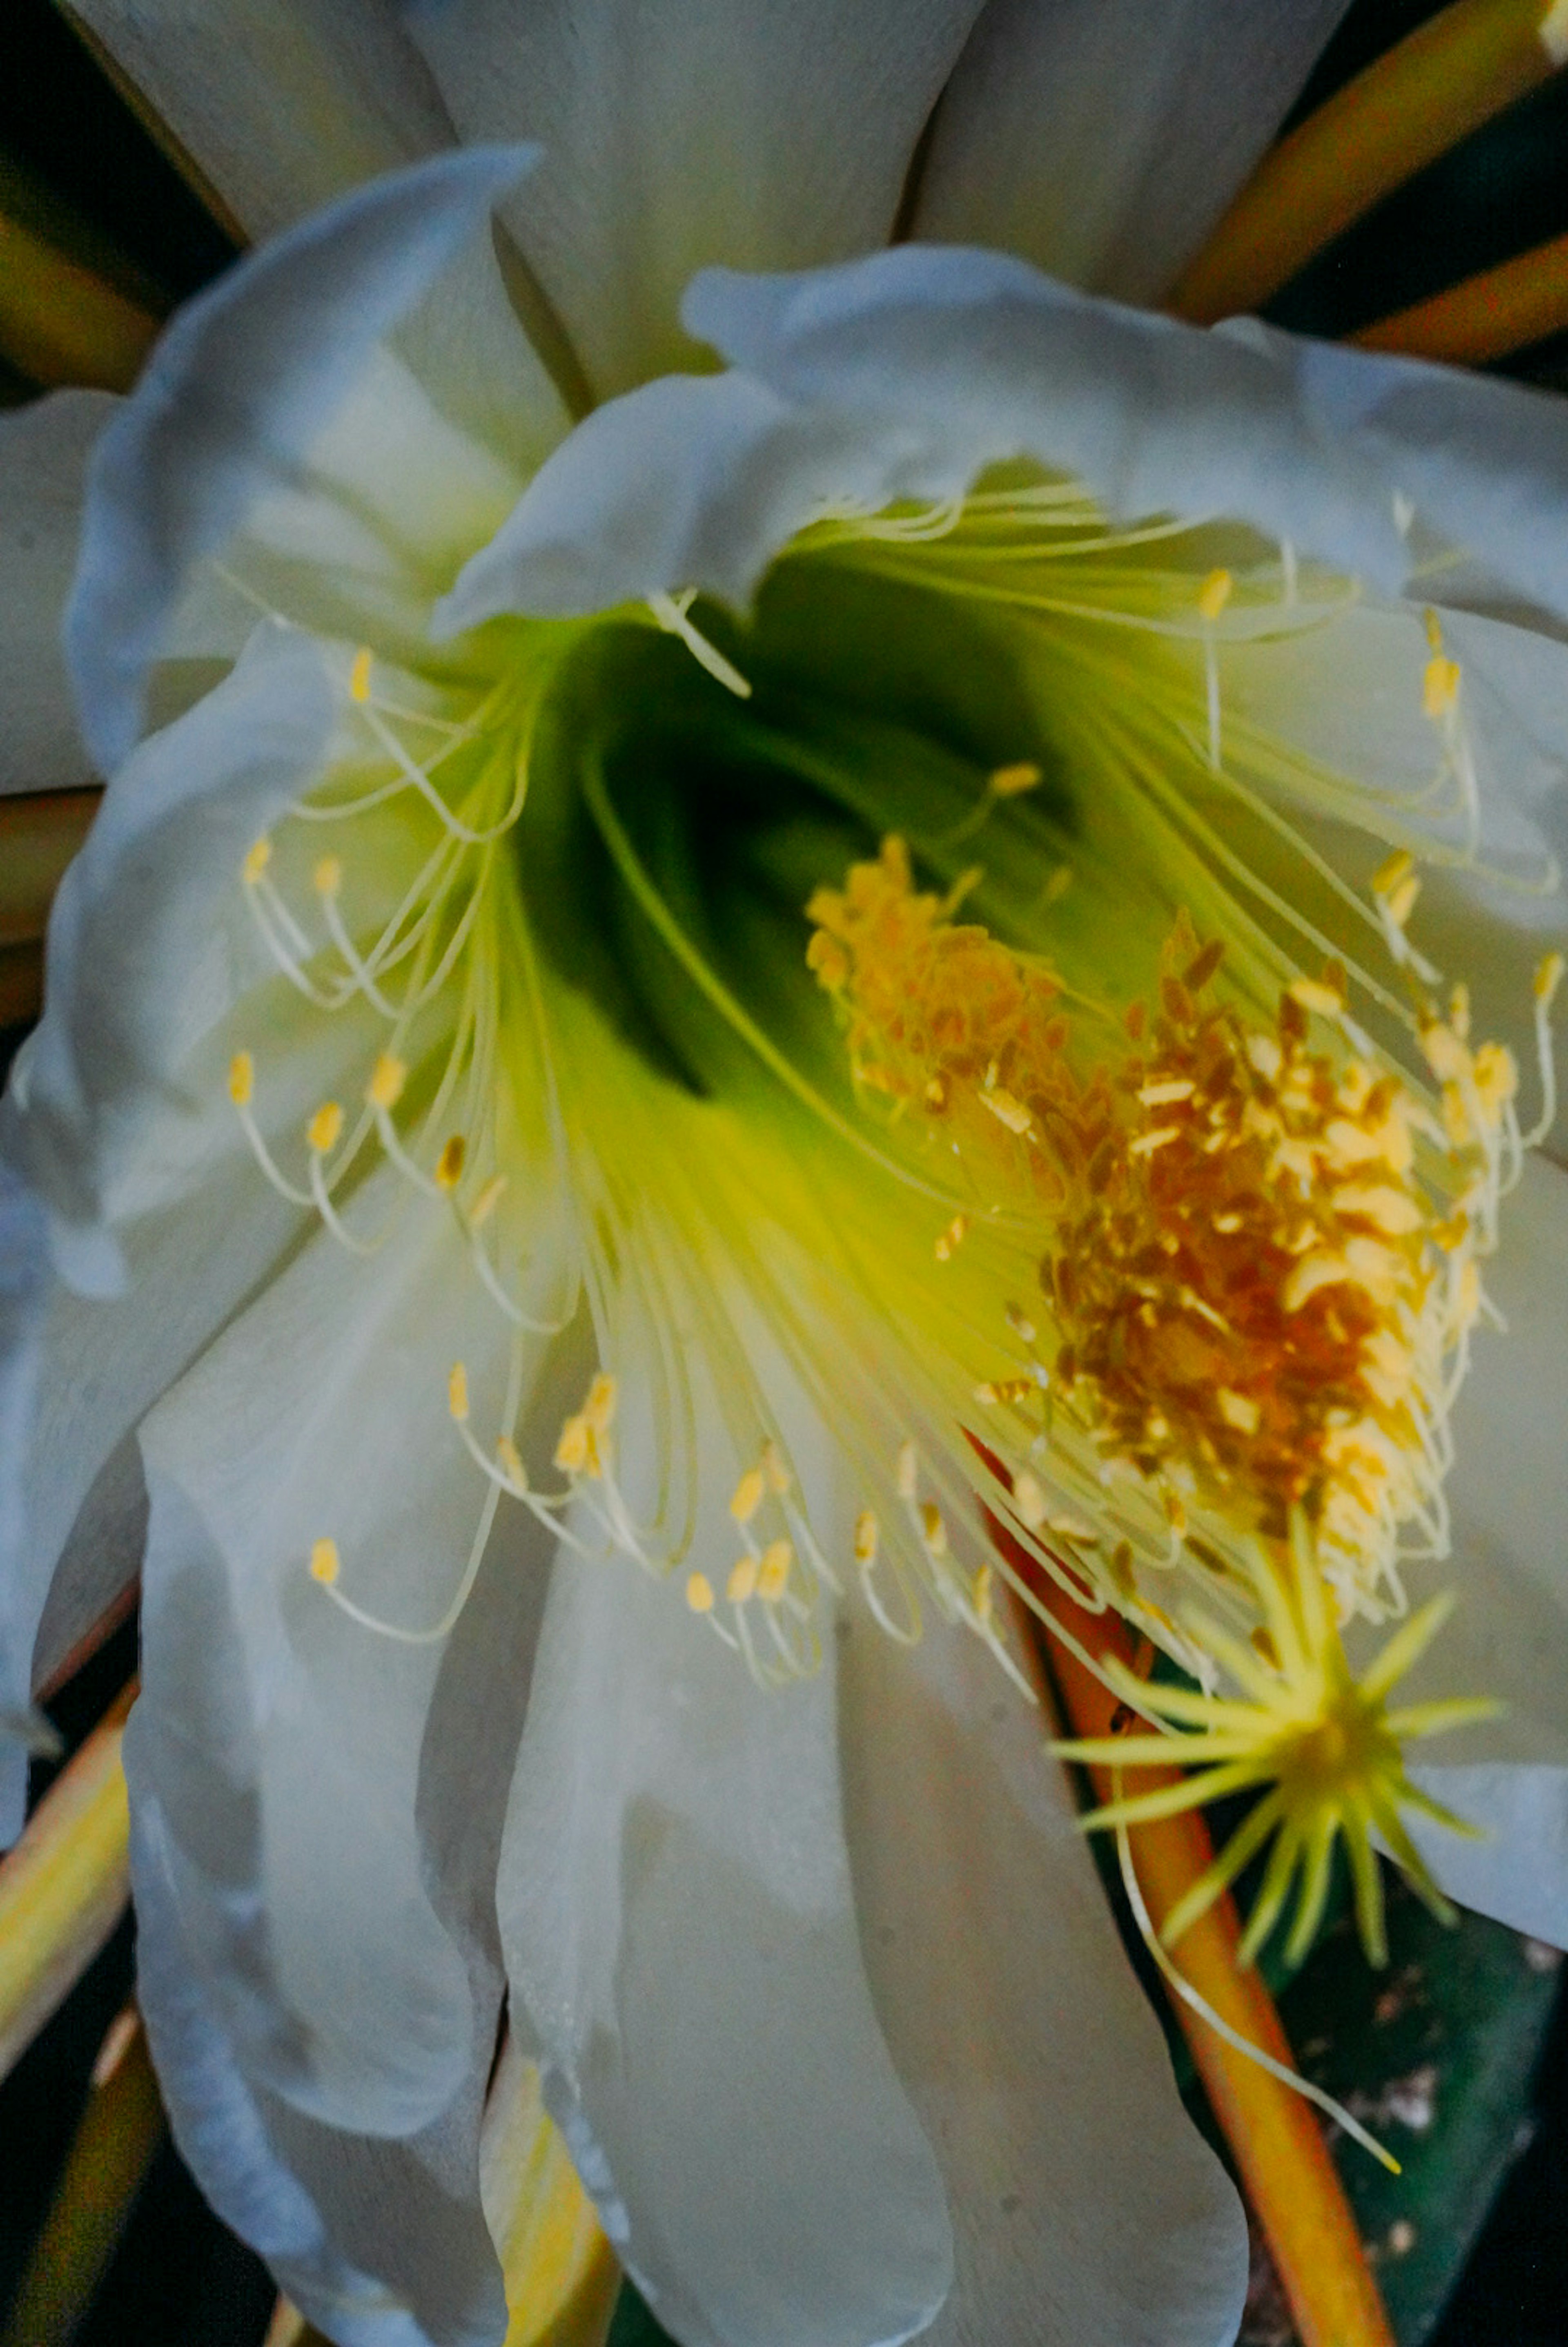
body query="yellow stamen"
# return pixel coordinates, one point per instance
(241, 1079)
(457, 1392)
(325, 1563)
(747, 1496)
(388, 1078)
(868, 1536)
(1410, 106)
(742, 1582)
(952, 1238)
(450, 1164)
(773, 1571)
(699, 1592)
(773, 1467)
(1012, 781)
(258, 856)
(359, 676)
(1439, 686)
(1215, 594)
(510, 1461)
(328, 876)
(325, 1128)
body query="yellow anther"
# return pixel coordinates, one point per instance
(1322, 1269)
(359, 676)
(575, 1448)
(388, 1078)
(485, 1205)
(1393, 873)
(933, 1531)
(1146, 1144)
(952, 1238)
(325, 1128)
(1012, 781)
(1029, 1502)
(509, 1459)
(241, 1079)
(868, 1537)
(984, 1594)
(457, 1392)
(1393, 1211)
(258, 856)
(1238, 1410)
(1548, 979)
(1313, 996)
(1006, 1109)
(450, 1164)
(699, 1592)
(773, 1467)
(1445, 1055)
(1439, 686)
(1166, 1094)
(328, 876)
(599, 1409)
(324, 1562)
(1433, 627)
(773, 1572)
(1264, 1055)
(741, 1584)
(1215, 594)
(1402, 903)
(1022, 1327)
(908, 1470)
(747, 1496)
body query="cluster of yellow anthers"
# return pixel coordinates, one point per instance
(1259, 1252)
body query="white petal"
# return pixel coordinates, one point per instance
(694, 481)
(44, 451)
(240, 386)
(680, 132)
(281, 104)
(677, 1914)
(1518, 1873)
(361, 2235)
(1088, 2210)
(1102, 139)
(23, 1276)
(282, 1738)
(1329, 448)
(1509, 1635)
(141, 965)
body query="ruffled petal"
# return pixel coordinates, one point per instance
(1338, 451)
(140, 970)
(679, 1931)
(772, 135)
(283, 1738)
(1087, 2208)
(282, 105)
(44, 451)
(244, 381)
(1102, 141)
(368, 2238)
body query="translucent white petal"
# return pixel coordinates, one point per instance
(283, 1739)
(281, 104)
(367, 2241)
(1508, 1637)
(680, 132)
(44, 451)
(244, 381)
(1327, 448)
(1088, 2211)
(1101, 138)
(1518, 1873)
(142, 963)
(679, 1932)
